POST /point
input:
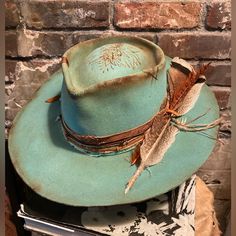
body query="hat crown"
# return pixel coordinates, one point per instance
(114, 61)
(109, 85)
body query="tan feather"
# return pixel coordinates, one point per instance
(190, 99)
(161, 134)
(151, 141)
(158, 149)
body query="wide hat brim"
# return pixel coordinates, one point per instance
(57, 171)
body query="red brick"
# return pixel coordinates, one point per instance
(219, 73)
(82, 36)
(146, 35)
(10, 69)
(26, 79)
(11, 43)
(157, 15)
(10, 114)
(196, 45)
(25, 71)
(27, 43)
(36, 43)
(79, 36)
(12, 18)
(220, 158)
(54, 43)
(65, 14)
(226, 124)
(219, 15)
(223, 96)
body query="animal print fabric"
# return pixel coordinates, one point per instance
(169, 214)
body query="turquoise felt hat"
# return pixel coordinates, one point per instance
(108, 87)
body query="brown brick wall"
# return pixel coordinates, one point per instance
(157, 15)
(38, 32)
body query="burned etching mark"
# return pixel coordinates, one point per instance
(116, 55)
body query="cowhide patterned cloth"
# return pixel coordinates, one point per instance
(169, 214)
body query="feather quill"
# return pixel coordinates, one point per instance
(184, 86)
